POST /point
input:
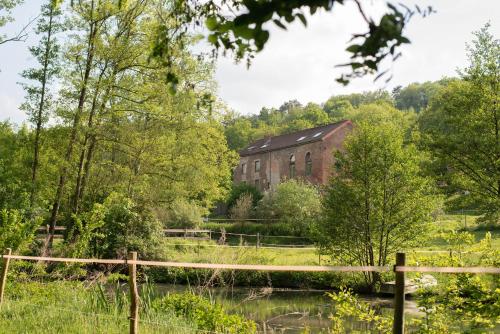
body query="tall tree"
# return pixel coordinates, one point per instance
(92, 14)
(462, 124)
(378, 203)
(38, 98)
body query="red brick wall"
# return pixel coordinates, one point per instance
(275, 165)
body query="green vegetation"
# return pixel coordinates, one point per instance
(126, 137)
(73, 307)
(294, 204)
(379, 202)
(462, 127)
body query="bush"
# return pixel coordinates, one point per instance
(15, 231)
(126, 227)
(207, 316)
(184, 214)
(243, 208)
(294, 203)
(242, 188)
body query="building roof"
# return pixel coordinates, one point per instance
(291, 139)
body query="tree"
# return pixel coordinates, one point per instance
(378, 203)
(462, 124)
(93, 15)
(38, 98)
(415, 96)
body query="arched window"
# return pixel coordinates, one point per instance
(292, 166)
(309, 164)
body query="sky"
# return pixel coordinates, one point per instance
(300, 63)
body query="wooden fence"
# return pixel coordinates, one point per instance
(132, 262)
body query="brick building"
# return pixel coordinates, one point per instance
(306, 154)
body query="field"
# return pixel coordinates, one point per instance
(191, 250)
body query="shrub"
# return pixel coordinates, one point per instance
(294, 203)
(184, 214)
(16, 232)
(206, 316)
(240, 189)
(243, 208)
(126, 227)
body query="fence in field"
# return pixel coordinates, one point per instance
(206, 234)
(132, 262)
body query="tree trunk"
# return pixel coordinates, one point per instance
(39, 117)
(73, 136)
(90, 123)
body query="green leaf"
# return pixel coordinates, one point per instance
(302, 19)
(353, 48)
(211, 23)
(279, 24)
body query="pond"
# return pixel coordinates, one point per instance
(287, 311)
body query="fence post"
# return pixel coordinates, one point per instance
(399, 296)
(257, 245)
(134, 295)
(3, 278)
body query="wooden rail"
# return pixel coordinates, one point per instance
(400, 269)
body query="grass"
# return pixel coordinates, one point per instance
(187, 250)
(70, 307)
(209, 251)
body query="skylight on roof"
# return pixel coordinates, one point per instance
(317, 134)
(301, 138)
(251, 148)
(264, 146)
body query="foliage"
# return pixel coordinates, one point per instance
(14, 167)
(347, 305)
(416, 96)
(184, 214)
(378, 202)
(16, 232)
(243, 207)
(463, 302)
(122, 227)
(461, 125)
(85, 232)
(240, 189)
(206, 316)
(39, 100)
(296, 204)
(466, 304)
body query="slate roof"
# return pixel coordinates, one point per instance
(291, 139)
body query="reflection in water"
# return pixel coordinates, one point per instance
(287, 311)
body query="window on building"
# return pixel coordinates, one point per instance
(292, 166)
(243, 168)
(309, 164)
(257, 183)
(257, 165)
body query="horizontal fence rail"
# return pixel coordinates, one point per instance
(259, 267)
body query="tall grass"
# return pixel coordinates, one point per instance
(73, 307)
